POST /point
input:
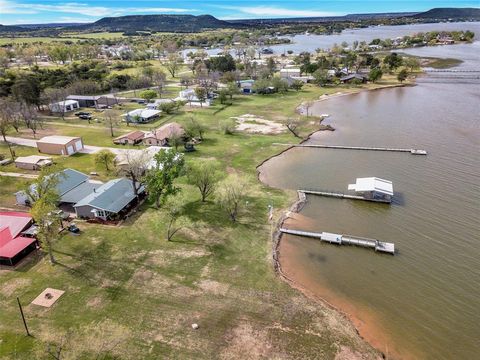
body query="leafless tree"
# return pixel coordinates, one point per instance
(111, 120)
(134, 163)
(5, 125)
(55, 95)
(173, 64)
(292, 125)
(30, 117)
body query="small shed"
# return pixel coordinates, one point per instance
(373, 188)
(33, 162)
(246, 86)
(64, 106)
(60, 145)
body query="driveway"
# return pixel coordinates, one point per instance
(12, 174)
(87, 149)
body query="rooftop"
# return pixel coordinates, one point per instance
(372, 184)
(166, 131)
(58, 139)
(144, 113)
(32, 159)
(112, 196)
(11, 225)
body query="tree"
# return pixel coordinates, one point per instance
(402, 75)
(321, 77)
(148, 95)
(292, 125)
(111, 118)
(134, 165)
(30, 117)
(27, 89)
(412, 63)
(232, 89)
(222, 96)
(230, 195)
(204, 175)
(44, 197)
(195, 129)
(159, 180)
(174, 209)
(173, 64)
(168, 107)
(105, 158)
(375, 74)
(393, 60)
(201, 94)
(6, 124)
(297, 85)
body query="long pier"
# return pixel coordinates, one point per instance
(378, 246)
(342, 196)
(411, 151)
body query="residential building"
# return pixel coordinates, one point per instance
(146, 156)
(289, 72)
(353, 78)
(246, 86)
(162, 135)
(132, 138)
(64, 106)
(141, 116)
(109, 201)
(60, 145)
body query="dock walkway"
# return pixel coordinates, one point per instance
(411, 151)
(342, 196)
(379, 246)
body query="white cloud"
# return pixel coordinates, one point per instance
(270, 11)
(74, 8)
(9, 7)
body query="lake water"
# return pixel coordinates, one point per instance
(425, 301)
(312, 42)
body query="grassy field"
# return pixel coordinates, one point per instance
(96, 35)
(31, 40)
(131, 294)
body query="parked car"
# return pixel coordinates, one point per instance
(85, 117)
(80, 113)
(73, 228)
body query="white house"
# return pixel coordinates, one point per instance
(189, 96)
(142, 115)
(156, 104)
(373, 188)
(289, 72)
(64, 106)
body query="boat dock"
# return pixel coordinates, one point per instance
(337, 239)
(344, 196)
(411, 151)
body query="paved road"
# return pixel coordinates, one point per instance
(12, 174)
(88, 149)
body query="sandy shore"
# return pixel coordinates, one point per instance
(366, 323)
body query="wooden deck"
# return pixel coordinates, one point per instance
(342, 196)
(411, 151)
(378, 246)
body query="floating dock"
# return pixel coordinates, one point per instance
(411, 151)
(337, 239)
(344, 196)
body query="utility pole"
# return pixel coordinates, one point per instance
(23, 317)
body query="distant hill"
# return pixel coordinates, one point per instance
(163, 23)
(450, 13)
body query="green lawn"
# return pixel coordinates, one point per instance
(131, 294)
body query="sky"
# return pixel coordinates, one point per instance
(48, 11)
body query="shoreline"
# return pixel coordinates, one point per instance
(295, 208)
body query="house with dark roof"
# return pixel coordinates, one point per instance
(109, 201)
(14, 243)
(353, 78)
(132, 138)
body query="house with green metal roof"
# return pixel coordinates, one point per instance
(72, 186)
(111, 200)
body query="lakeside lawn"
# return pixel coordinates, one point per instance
(131, 294)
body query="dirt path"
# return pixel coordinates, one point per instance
(12, 174)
